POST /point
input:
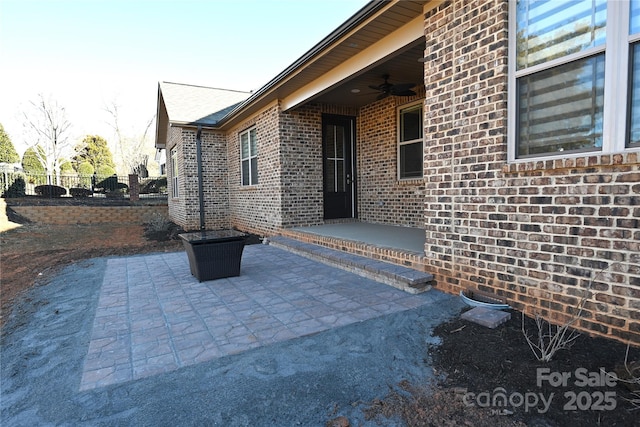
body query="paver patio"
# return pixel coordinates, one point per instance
(154, 317)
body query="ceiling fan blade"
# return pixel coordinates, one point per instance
(402, 87)
(403, 93)
(386, 88)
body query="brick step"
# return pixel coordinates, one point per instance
(404, 278)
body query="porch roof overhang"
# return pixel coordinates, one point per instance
(384, 37)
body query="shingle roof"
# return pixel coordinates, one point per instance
(198, 104)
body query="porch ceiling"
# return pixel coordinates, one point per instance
(383, 38)
(396, 30)
(402, 67)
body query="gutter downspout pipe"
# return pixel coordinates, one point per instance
(200, 185)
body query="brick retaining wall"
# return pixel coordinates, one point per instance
(89, 214)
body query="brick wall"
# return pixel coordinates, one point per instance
(215, 180)
(537, 233)
(569, 224)
(382, 197)
(301, 157)
(177, 207)
(289, 190)
(185, 210)
(291, 173)
(257, 208)
(64, 215)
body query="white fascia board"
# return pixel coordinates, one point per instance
(400, 38)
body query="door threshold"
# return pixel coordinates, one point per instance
(340, 220)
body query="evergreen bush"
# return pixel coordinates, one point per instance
(80, 192)
(17, 188)
(50, 191)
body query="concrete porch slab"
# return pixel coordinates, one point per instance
(392, 236)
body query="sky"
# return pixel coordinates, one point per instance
(89, 54)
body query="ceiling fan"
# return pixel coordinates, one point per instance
(386, 88)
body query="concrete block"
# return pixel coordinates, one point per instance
(486, 317)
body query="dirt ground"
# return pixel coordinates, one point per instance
(475, 365)
(30, 253)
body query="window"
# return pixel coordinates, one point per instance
(174, 173)
(569, 74)
(410, 136)
(249, 157)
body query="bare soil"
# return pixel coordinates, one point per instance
(474, 365)
(31, 253)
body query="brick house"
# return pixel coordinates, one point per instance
(516, 153)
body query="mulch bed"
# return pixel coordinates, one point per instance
(476, 366)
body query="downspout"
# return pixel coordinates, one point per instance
(200, 185)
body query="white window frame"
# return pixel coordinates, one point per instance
(617, 76)
(173, 159)
(400, 143)
(248, 159)
(632, 39)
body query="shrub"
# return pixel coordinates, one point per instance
(80, 192)
(160, 228)
(31, 160)
(104, 170)
(157, 185)
(115, 194)
(85, 168)
(550, 338)
(158, 222)
(50, 191)
(17, 188)
(66, 167)
(111, 184)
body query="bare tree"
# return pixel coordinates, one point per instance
(130, 149)
(46, 125)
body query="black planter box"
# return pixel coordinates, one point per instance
(214, 254)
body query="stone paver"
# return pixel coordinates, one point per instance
(154, 317)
